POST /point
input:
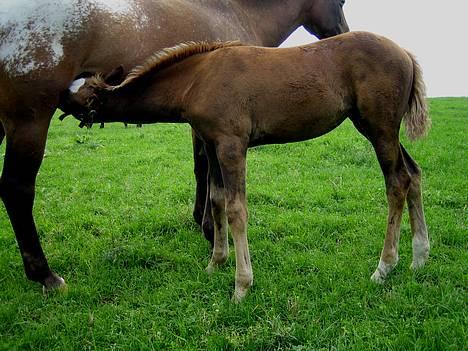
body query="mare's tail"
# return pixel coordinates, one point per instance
(417, 120)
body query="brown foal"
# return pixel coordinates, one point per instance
(235, 97)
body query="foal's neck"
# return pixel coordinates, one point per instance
(273, 20)
(160, 98)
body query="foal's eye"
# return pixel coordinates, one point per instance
(342, 2)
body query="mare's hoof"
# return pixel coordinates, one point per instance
(54, 283)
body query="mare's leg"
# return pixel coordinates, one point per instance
(208, 221)
(231, 155)
(26, 137)
(421, 244)
(202, 210)
(218, 208)
(201, 181)
(397, 182)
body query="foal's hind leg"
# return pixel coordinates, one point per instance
(231, 154)
(421, 244)
(397, 181)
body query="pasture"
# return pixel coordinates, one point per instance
(114, 211)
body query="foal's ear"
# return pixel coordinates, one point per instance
(115, 77)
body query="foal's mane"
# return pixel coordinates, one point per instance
(169, 56)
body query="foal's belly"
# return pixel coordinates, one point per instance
(289, 130)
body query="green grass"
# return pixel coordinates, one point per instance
(113, 208)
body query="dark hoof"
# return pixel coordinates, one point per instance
(54, 283)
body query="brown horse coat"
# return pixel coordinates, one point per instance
(235, 97)
(45, 45)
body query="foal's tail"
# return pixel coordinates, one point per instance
(417, 120)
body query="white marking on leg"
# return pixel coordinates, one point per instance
(382, 271)
(389, 256)
(421, 249)
(421, 244)
(244, 274)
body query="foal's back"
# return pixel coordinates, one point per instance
(293, 94)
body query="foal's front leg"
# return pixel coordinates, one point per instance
(218, 208)
(232, 160)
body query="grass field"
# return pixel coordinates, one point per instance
(114, 211)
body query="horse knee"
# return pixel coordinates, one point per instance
(404, 179)
(11, 191)
(236, 213)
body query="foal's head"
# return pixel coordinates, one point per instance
(325, 18)
(86, 97)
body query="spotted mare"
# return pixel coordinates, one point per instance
(46, 44)
(235, 97)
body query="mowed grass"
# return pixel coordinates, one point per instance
(114, 212)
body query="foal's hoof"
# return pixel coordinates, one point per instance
(420, 255)
(382, 271)
(377, 277)
(242, 287)
(239, 295)
(54, 283)
(418, 263)
(210, 269)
